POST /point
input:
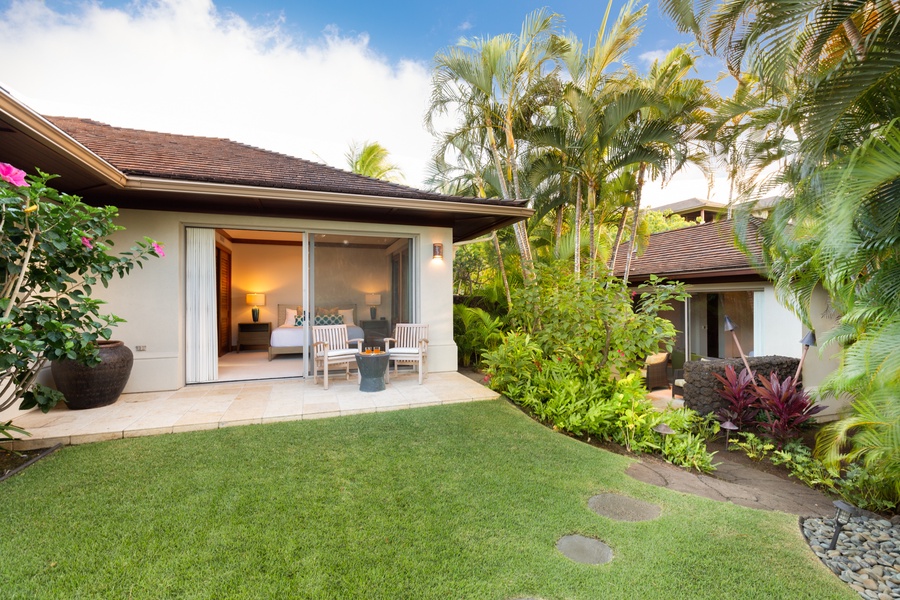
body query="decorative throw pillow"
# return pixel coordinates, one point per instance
(347, 315)
(298, 320)
(329, 320)
(326, 311)
(290, 315)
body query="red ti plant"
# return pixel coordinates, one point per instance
(785, 408)
(739, 392)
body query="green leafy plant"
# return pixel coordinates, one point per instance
(753, 446)
(475, 332)
(799, 460)
(53, 250)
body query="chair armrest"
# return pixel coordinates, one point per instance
(423, 342)
(390, 339)
(357, 341)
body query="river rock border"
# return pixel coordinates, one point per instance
(866, 556)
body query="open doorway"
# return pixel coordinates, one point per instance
(362, 281)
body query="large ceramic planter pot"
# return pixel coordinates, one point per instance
(102, 384)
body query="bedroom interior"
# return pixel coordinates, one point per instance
(352, 278)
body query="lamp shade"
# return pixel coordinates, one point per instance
(373, 299)
(256, 299)
(809, 339)
(729, 324)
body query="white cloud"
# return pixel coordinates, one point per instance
(183, 66)
(464, 26)
(649, 57)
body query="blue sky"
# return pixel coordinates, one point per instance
(304, 78)
(416, 30)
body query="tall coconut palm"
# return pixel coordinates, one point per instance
(487, 83)
(371, 159)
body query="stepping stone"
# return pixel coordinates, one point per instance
(585, 550)
(623, 508)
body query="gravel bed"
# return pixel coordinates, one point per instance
(866, 557)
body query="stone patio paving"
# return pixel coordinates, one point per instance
(214, 405)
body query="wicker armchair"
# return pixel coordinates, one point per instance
(656, 370)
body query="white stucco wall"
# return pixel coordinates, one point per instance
(779, 330)
(152, 299)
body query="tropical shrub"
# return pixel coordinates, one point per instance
(743, 405)
(53, 250)
(474, 331)
(784, 406)
(798, 459)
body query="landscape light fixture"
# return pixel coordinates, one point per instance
(808, 340)
(842, 515)
(730, 326)
(256, 300)
(728, 426)
(437, 251)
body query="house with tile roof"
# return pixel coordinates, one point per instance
(722, 280)
(245, 229)
(693, 209)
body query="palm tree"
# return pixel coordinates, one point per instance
(833, 68)
(489, 82)
(682, 105)
(371, 159)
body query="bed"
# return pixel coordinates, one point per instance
(287, 338)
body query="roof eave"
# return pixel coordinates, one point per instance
(37, 127)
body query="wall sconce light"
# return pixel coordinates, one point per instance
(437, 251)
(373, 300)
(256, 300)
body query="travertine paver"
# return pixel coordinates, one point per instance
(585, 550)
(210, 406)
(623, 508)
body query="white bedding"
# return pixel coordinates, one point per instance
(288, 335)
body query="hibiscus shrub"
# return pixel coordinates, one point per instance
(53, 250)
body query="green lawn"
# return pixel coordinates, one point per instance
(463, 501)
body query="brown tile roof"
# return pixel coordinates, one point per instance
(218, 160)
(706, 250)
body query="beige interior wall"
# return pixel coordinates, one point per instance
(275, 270)
(345, 275)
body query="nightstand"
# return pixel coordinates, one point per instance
(254, 334)
(376, 331)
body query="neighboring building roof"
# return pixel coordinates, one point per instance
(690, 205)
(705, 251)
(146, 170)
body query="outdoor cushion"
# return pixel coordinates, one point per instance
(403, 351)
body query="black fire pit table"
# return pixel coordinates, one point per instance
(371, 371)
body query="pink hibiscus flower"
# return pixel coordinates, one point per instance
(158, 248)
(87, 243)
(12, 175)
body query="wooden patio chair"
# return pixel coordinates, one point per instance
(331, 347)
(410, 346)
